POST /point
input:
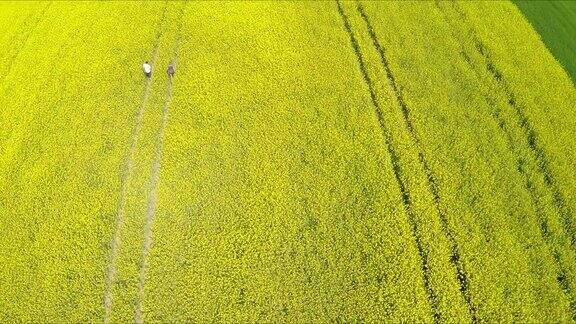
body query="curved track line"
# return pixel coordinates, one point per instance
(125, 183)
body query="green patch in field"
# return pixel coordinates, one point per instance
(555, 21)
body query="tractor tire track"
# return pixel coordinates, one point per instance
(561, 273)
(115, 244)
(521, 168)
(406, 197)
(455, 258)
(155, 179)
(530, 134)
(14, 56)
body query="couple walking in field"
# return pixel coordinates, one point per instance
(148, 69)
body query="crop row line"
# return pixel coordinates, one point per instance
(406, 199)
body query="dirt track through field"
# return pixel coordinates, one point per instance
(154, 180)
(125, 182)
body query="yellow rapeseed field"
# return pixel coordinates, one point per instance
(349, 161)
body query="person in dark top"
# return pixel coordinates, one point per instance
(170, 70)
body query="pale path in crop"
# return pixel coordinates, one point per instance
(115, 246)
(154, 179)
(152, 202)
(125, 182)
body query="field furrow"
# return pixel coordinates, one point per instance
(135, 234)
(81, 148)
(526, 166)
(240, 133)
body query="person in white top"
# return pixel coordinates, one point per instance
(147, 69)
